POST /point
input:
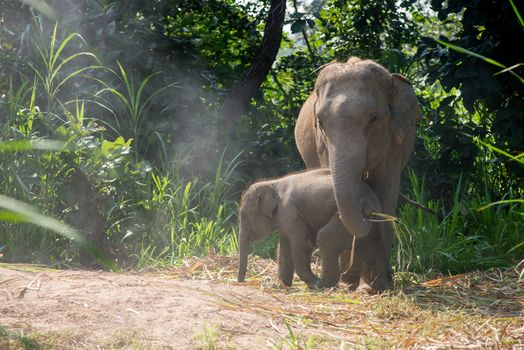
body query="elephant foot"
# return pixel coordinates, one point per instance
(365, 288)
(377, 288)
(377, 283)
(374, 287)
(314, 283)
(327, 283)
(352, 281)
(286, 281)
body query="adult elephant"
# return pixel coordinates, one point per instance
(360, 121)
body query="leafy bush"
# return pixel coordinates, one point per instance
(93, 178)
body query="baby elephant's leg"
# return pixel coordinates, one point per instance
(302, 244)
(286, 268)
(332, 239)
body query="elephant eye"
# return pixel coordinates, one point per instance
(373, 118)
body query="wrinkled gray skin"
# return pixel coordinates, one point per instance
(360, 122)
(302, 208)
(370, 258)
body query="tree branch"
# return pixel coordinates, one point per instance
(238, 99)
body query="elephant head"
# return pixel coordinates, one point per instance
(257, 219)
(360, 120)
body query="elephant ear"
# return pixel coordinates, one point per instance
(405, 110)
(267, 200)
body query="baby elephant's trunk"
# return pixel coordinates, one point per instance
(242, 267)
(244, 250)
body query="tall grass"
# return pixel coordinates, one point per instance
(461, 238)
(135, 102)
(513, 203)
(188, 216)
(55, 68)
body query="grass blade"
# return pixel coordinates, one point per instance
(31, 145)
(517, 13)
(476, 55)
(21, 212)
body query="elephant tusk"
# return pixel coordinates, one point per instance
(351, 254)
(366, 175)
(382, 217)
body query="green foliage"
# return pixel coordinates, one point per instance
(209, 337)
(220, 33)
(185, 216)
(108, 123)
(371, 29)
(445, 152)
(136, 106)
(15, 340)
(19, 212)
(96, 182)
(294, 341)
(53, 63)
(462, 238)
(490, 30)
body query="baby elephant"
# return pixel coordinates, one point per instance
(302, 208)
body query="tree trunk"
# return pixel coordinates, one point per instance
(238, 99)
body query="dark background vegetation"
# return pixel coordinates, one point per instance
(150, 170)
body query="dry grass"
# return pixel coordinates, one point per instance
(478, 310)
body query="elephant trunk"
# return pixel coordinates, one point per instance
(347, 171)
(244, 251)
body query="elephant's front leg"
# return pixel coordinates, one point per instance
(350, 273)
(332, 239)
(285, 261)
(376, 272)
(301, 240)
(302, 259)
(386, 187)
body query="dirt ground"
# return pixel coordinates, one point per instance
(150, 310)
(200, 306)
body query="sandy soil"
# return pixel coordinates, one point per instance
(199, 306)
(137, 310)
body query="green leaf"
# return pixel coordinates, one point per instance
(297, 15)
(32, 145)
(507, 201)
(17, 211)
(311, 23)
(298, 26)
(517, 158)
(515, 247)
(476, 55)
(9, 216)
(517, 13)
